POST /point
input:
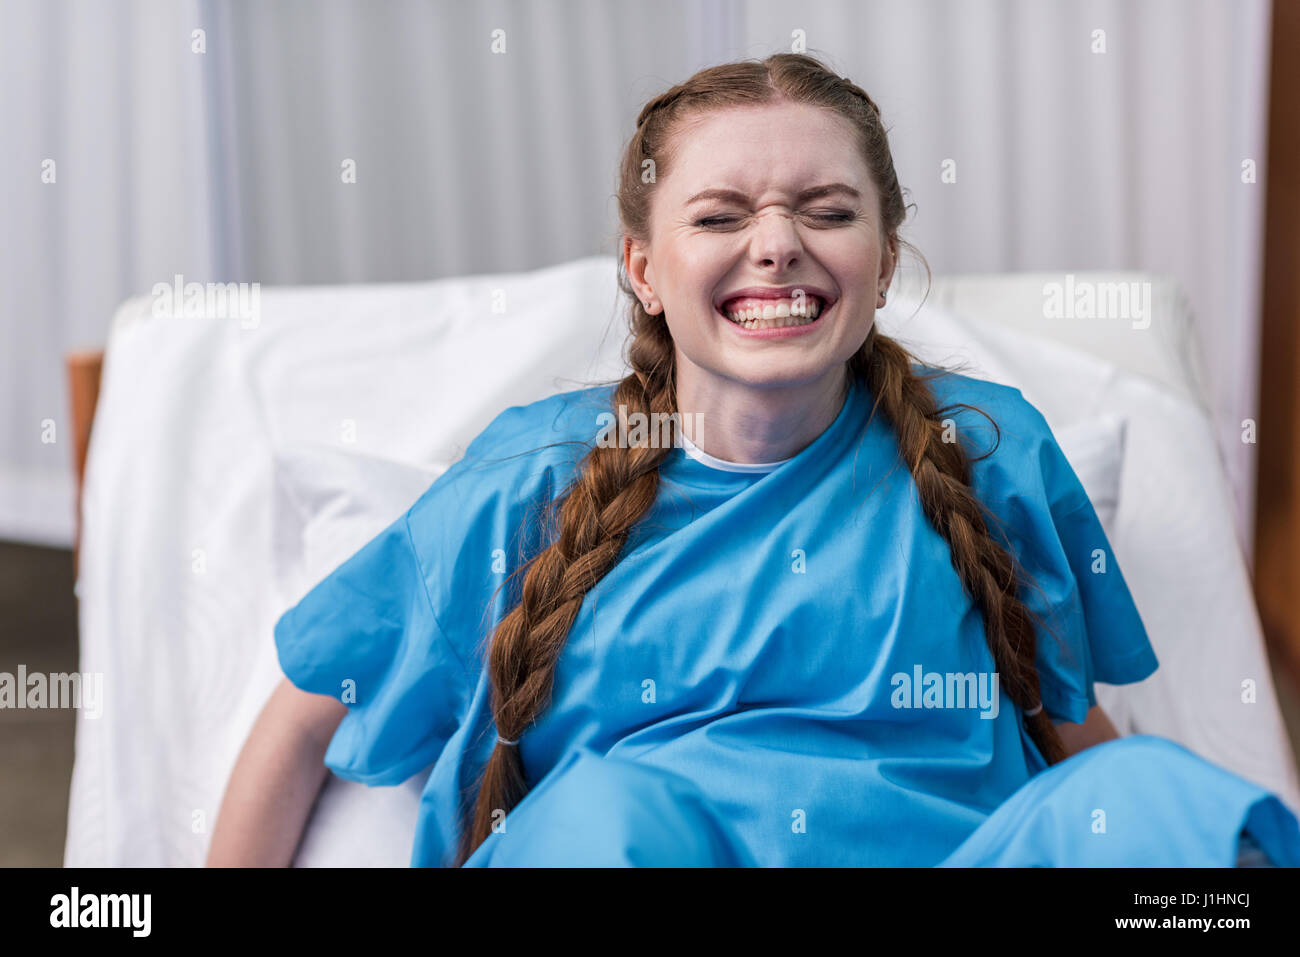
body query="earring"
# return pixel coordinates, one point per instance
(647, 305)
(882, 297)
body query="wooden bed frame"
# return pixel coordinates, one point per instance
(83, 370)
(1277, 502)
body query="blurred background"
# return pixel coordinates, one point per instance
(204, 138)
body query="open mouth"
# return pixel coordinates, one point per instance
(774, 314)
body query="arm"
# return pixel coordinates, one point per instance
(1096, 728)
(276, 780)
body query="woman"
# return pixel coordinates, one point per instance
(847, 610)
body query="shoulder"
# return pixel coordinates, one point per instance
(1013, 451)
(566, 417)
(525, 456)
(986, 410)
(547, 435)
(474, 526)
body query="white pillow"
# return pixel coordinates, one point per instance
(327, 504)
(1095, 450)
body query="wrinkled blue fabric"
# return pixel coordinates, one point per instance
(751, 663)
(1140, 801)
(599, 811)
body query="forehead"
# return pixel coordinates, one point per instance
(765, 150)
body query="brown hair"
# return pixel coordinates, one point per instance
(614, 487)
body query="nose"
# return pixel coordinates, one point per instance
(775, 241)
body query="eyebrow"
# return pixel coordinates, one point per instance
(815, 192)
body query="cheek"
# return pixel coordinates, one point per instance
(691, 327)
(858, 271)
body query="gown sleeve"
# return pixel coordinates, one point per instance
(1088, 627)
(368, 635)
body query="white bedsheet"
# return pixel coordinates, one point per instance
(179, 568)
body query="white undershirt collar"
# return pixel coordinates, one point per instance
(691, 449)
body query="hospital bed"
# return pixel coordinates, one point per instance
(234, 463)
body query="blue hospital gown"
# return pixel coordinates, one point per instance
(742, 688)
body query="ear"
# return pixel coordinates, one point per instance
(639, 272)
(888, 261)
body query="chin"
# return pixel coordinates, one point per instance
(779, 378)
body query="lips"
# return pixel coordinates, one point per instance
(770, 331)
(809, 297)
(792, 291)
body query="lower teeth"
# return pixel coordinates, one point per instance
(781, 322)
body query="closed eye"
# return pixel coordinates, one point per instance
(837, 217)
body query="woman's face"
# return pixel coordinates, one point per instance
(765, 229)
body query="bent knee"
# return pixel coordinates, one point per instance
(595, 811)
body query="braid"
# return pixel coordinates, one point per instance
(614, 487)
(989, 572)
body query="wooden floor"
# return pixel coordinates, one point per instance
(38, 628)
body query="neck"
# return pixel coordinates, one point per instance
(748, 424)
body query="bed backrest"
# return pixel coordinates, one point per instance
(1161, 345)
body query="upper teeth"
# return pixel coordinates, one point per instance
(777, 309)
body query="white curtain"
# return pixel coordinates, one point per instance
(107, 185)
(227, 164)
